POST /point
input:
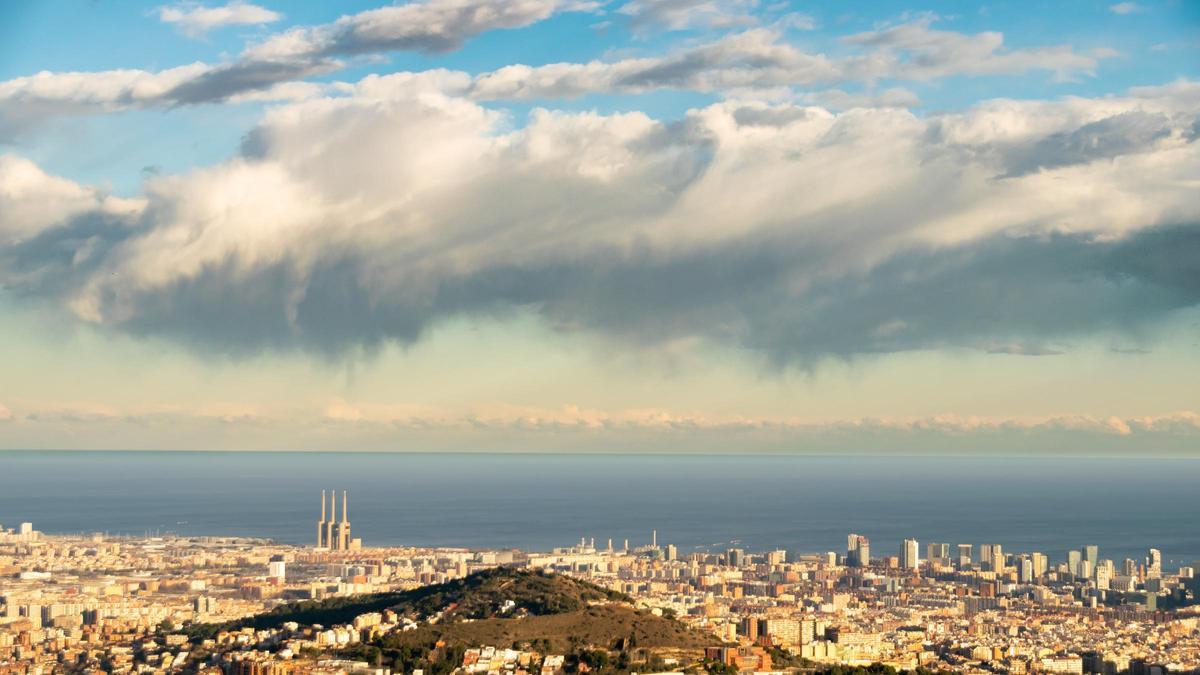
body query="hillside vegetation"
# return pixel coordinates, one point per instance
(610, 627)
(482, 595)
(501, 607)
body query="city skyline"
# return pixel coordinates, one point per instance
(565, 225)
(1074, 561)
(229, 605)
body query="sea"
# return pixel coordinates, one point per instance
(801, 503)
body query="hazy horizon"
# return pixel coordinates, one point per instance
(804, 503)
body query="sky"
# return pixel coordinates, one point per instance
(731, 226)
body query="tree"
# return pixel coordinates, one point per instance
(719, 668)
(595, 659)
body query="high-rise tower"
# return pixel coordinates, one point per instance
(910, 554)
(995, 557)
(858, 551)
(964, 555)
(1074, 558)
(938, 553)
(1154, 564)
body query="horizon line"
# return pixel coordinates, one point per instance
(963, 454)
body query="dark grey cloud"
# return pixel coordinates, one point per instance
(1122, 134)
(769, 116)
(999, 294)
(57, 261)
(221, 83)
(1016, 291)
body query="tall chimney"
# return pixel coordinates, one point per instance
(343, 528)
(331, 540)
(321, 524)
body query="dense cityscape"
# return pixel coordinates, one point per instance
(171, 604)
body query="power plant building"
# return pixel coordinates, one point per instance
(333, 534)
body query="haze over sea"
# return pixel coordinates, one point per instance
(539, 501)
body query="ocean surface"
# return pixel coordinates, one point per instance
(538, 501)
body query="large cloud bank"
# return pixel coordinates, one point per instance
(357, 219)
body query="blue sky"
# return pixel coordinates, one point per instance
(1157, 43)
(671, 224)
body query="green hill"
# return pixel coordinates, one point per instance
(482, 595)
(502, 607)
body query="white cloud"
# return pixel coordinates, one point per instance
(271, 69)
(785, 229)
(685, 14)
(430, 26)
(5, 414)
(758, 60)
(915, 51)
(747, 60)
(753, 63)
(195, 19)
(32, 200)
(1126, 8)
(26, 101)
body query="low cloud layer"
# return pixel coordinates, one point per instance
(799, 233)
(526, 429)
